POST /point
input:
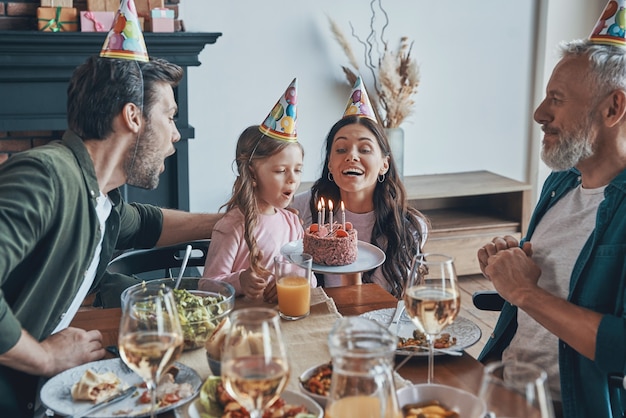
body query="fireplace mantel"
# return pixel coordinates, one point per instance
(35, 68)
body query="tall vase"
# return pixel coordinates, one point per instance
(396, 142)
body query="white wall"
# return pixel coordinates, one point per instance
(473, 110)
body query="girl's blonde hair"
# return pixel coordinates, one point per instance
(252, 146)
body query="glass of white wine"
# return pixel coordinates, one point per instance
(150, 337)
(255, 367)
(432, 298)
(513, 389)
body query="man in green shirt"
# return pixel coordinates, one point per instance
(62, 217)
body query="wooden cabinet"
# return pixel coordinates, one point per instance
(467, 210)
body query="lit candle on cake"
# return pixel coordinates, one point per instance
(330, 214)
(343, 216)
(323, 210)
(319, 213)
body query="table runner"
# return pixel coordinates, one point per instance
(306, 339)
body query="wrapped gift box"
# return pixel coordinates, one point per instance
(57, 19)
(96, 21)
(103, 5)
(57, 3)
(162, 20)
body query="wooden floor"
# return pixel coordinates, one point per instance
(486, 320)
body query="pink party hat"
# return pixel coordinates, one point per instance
(125, 40)
(611, 27)
(359, 103)
(281, 122)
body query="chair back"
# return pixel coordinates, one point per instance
(160, 262)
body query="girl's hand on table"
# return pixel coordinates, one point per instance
(270, 294)
(252, 285)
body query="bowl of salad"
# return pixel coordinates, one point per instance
(199, 311)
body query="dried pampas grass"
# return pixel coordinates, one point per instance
(396, 74)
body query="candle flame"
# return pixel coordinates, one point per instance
(330, 205)
(323, 204)
(342, 206)
(319, 205)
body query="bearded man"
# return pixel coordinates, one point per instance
(62, 217)
(565, 283)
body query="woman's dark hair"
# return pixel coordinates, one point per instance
(395, 221)
(101, 87)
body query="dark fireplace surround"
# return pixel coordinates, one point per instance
(35, 68)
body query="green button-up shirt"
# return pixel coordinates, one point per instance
(49, 231)
(598, 282)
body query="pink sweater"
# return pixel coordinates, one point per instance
(228, 253)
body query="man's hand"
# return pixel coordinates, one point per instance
(72, 347)
(61, 351)
(499, 244)
(513, 273)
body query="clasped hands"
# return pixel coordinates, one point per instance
(510, 267)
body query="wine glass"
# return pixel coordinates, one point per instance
(255, 368)
(432, 298)
(150, 337)
(513, 389)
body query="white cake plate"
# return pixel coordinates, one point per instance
(368, 257)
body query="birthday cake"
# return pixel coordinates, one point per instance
(328, 246)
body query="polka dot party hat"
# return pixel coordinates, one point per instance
(359, 102)
(125, 40)
(611, 27)
(281, 121)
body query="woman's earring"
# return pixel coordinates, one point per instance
(381, 178)
(330, 176)
(253, 183)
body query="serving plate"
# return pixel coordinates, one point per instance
(466, 332)
(368, 257)
(56, 393)
(195, 409)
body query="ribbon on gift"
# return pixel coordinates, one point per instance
(97, 25)
(162, 12)
(55, 24)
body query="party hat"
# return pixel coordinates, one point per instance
(281, 122)
(611, 27)
(125, 40)
(359, 102)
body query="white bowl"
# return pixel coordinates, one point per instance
(306, 375)
(464, 403)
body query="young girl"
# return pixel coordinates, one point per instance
(256, 224)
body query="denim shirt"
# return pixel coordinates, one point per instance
(598, 283)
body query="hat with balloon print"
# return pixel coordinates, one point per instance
(281, 121)
(359, 102)
(125, 40)
(611, 27)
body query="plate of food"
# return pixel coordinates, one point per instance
(213, 400)
(458, 336)
(368, 257)
(78, 389)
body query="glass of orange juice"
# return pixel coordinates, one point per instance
(293, 285)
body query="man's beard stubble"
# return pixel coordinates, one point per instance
(143, 165)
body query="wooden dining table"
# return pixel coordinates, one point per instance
(464, 372)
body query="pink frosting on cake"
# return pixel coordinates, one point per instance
(329, 249)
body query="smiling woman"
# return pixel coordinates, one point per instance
(360, 171)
